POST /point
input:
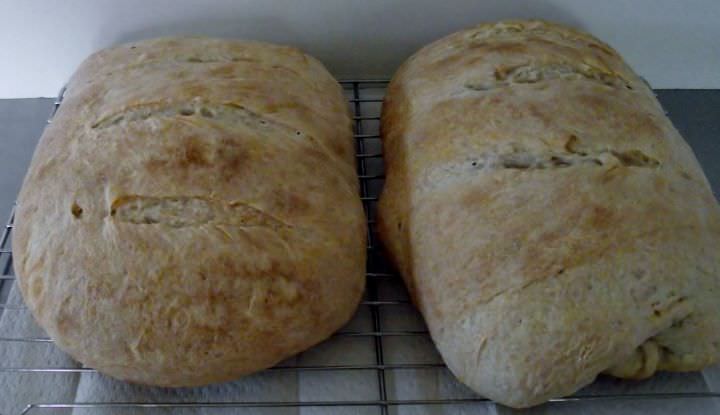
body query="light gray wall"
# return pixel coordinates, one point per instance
(673, 43)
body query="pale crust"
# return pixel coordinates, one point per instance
(549, 221)
(191, 214)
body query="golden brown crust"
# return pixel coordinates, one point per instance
(576, 227)
(191, 214)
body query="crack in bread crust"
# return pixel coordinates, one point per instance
(553, 71)
(181, 211)
(526, 160)
(227, 112)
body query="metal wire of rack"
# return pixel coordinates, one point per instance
(399, 362)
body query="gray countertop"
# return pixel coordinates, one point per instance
(696, 113)
(21, 123)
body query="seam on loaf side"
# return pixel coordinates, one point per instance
(182, 211)
(637, 365)
(665, 308)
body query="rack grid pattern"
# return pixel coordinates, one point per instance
(398, 370)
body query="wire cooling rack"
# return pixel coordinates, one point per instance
(383, 362)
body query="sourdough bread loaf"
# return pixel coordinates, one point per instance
(191, 215)
(549, 221)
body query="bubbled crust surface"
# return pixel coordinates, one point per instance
(549, 221)
(191, 215)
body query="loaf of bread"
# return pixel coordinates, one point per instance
(191, 215)
(549, 221)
